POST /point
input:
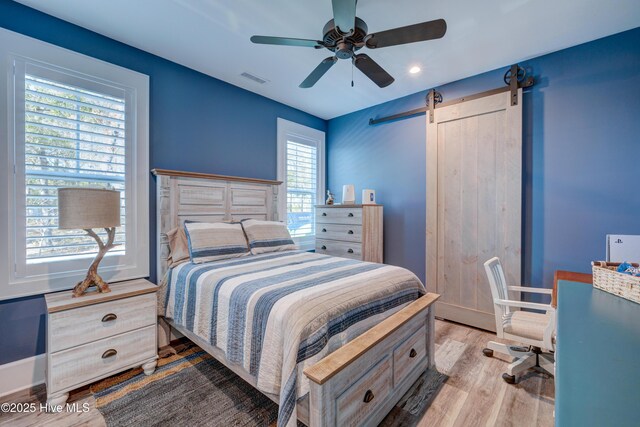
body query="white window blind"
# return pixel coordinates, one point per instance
(72, 121)
(73, 138)
(301, 168)
(302, 188)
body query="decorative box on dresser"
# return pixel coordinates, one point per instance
(350, 231)
(99, 334)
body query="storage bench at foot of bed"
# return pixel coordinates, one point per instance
(361, 382)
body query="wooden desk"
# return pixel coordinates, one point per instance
(597, 372)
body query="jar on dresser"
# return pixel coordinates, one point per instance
(350, 231)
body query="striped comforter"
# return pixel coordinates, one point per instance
(276, 313)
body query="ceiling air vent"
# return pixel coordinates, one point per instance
(254, 78)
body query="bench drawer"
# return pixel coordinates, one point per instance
(408, 355)
(78, 326)
(358, 402)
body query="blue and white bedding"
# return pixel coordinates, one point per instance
(276, 313)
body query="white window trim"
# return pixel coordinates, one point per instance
(288, 129)
(17, 48)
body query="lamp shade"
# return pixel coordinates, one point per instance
(88, 208)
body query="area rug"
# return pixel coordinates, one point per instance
(192, 388)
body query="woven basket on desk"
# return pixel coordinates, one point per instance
(606, 277)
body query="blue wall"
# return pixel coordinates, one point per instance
(581, 136)
(197, 123)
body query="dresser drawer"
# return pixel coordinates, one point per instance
(358, 402)
(339, 249)
(347, 233)
(339, 215)
(78, 326)
(409, 354)
(75, 366)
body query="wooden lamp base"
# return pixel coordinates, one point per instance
(93, 278)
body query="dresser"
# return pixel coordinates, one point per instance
(350, 231)
(99, 334)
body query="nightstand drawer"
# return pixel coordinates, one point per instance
(339, 215)
(339, 249)
(82, 325)
(78, 365)
(347, 233)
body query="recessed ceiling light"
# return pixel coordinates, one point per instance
(414, 70)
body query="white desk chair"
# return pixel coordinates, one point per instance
(535, 330)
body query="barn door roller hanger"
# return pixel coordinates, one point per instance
(434, 98)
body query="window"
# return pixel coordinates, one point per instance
(73, 138)
(301, 170)
(73, 121)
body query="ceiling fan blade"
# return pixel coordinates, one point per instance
(344, 15)
(318, 72)
(371, 69)
(409, 34)
(287, 41)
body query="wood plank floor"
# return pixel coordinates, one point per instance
(473, 395)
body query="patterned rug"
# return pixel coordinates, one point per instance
(192, 388)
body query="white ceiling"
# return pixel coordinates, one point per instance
(213, 37)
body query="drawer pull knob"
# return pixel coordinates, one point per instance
(324, 214)
(109, 353)
(324, 248)
(350, 232)
(350, 215)
(413, 353)
(368, 396)
(324, 230)
(109, 317)
(350, 251)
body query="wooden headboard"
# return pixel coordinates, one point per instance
(204, 197)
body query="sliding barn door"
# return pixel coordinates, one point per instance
(474, 185)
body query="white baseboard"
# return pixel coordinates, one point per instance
(21, 374)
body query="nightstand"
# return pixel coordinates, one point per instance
(99, 334)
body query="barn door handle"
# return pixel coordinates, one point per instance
(109, 317)
(368, 396)
(350, 215)
(350, 251)
(350, 232)
(324, 247)
(413, 353)
(109, 353)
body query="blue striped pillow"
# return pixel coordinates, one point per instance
(215, 241)
(267, 236)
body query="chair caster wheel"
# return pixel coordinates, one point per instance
(487, 352)
(509, 379)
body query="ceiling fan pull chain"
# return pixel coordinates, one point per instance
(351, 73)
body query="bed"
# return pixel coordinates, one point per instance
(333, 341)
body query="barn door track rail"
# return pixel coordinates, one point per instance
(434, 98)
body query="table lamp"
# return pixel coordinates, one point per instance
(89, 208)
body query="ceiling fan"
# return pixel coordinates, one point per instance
(346, 33)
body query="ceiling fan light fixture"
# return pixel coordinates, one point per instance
(415, 69)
